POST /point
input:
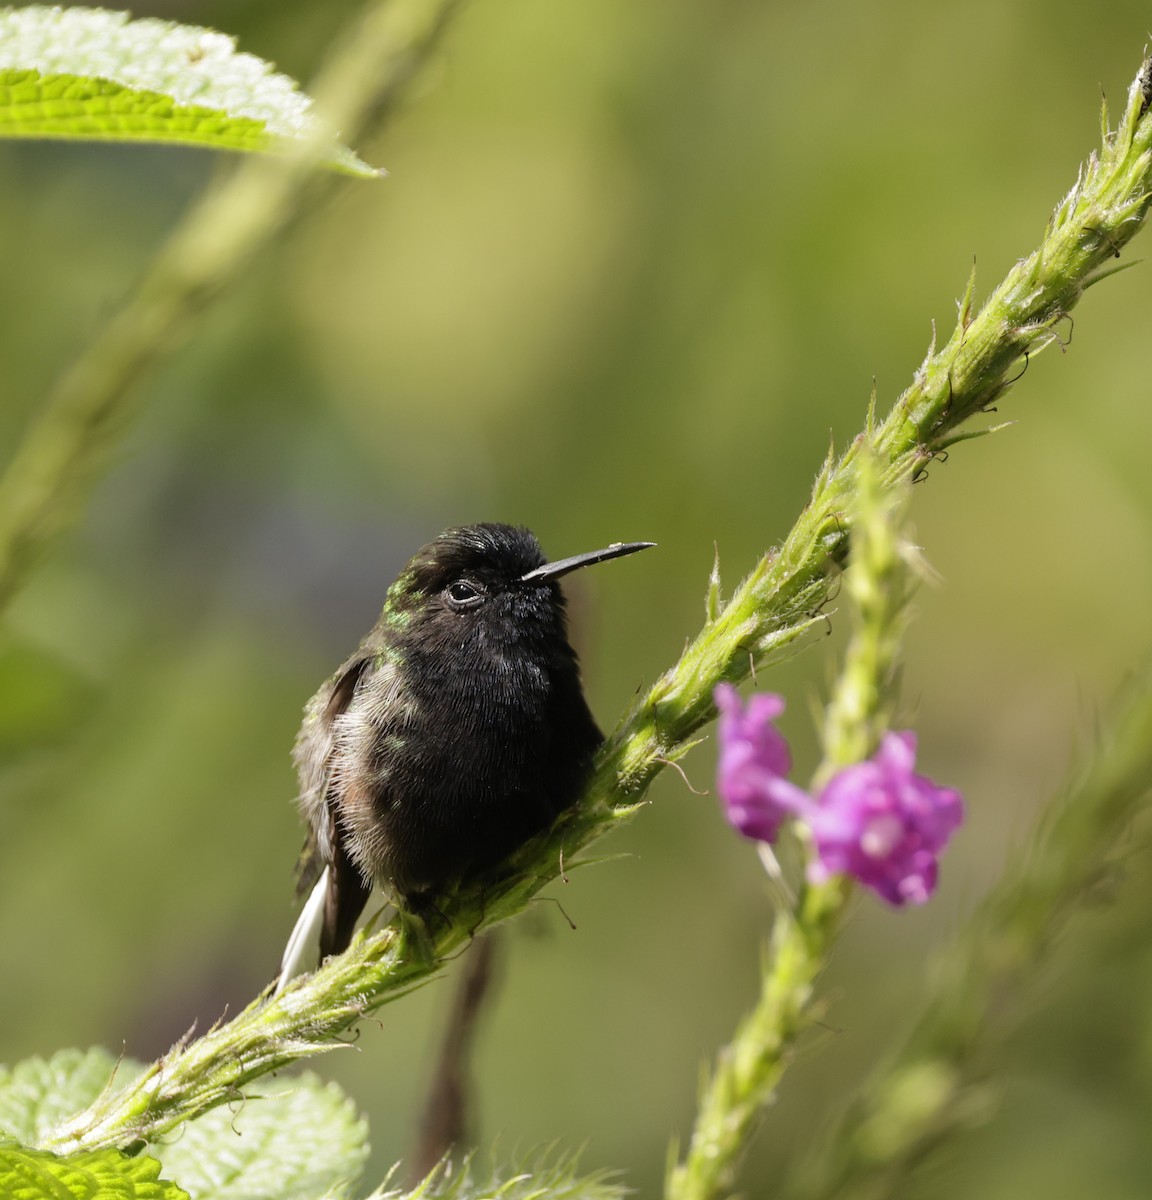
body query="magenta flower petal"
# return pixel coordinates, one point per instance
(876, 821)
(884, 825)
(754, 760)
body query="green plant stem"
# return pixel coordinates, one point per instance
(774, 607)
(305, 1019)
(932, 1088)
(47, 479)
(749, 1069)
(785, 592)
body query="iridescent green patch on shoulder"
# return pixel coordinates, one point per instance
(400, 600)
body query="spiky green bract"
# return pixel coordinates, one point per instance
(544, 1175)
(748, 1070)
(937, 1084)
(1090, 227)
(94, 1175)
(296, 1138)
(383, 48)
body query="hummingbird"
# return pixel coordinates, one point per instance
(456, 731)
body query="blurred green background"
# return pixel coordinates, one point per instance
(632, 264)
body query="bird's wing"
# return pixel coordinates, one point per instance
(313, 755)
(339, 892)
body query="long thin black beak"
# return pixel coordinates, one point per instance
(554, 570)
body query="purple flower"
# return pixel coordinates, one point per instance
(884, 825)
(877, 821)
(754, 760)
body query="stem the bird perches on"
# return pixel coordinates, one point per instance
(778, 602)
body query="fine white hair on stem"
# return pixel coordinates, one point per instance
(782, 892)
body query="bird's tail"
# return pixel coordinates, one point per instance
(304, 942)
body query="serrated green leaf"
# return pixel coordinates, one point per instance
(85, 73)
(296, 1139)
(37, 1094)
(99, 1175)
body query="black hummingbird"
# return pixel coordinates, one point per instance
(456, 731)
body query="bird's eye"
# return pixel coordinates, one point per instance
(462, 594)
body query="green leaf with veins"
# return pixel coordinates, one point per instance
(87, 74)
(92, 1175)
(37, 1094)
(293, 1137)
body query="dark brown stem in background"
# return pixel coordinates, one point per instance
(444, 1125)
